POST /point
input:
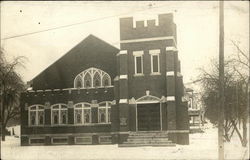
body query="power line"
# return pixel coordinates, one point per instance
(150, 5)
(83, 22)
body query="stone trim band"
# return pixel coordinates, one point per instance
(171, 73)
(148, 39)
(123, 101)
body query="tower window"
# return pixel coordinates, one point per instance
(138, 62)
(138, 65)
(155, 61)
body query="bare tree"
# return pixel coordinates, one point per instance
(242, 68)
(235, 98)
(11, 86)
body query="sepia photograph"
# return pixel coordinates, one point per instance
(124, 80)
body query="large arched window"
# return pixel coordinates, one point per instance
(82, 113)
(91, 78)
(59, 114)
(36, 115)
(104, 111)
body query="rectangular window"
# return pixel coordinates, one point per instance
(138, 59)
(37, 141)
(155, 61)
(138, 65)
(83, 140)
(155, 65)
(105, 139)
(60, 140)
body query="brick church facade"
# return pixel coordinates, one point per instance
(98, 94)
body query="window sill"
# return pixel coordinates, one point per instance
(82, 124)
(103, 123)
(110, 86)
(138, 75)
(155, 74)
(36, 125)
(58, 125)
(72, 125)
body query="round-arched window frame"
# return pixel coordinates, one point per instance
(59, 114)
(36, 115)
(92, 78)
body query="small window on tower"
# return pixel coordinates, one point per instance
(138, 59)
(138, 65)
(155, 64)
(155, 61)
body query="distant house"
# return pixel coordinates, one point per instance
(195, 110)
(98, 94)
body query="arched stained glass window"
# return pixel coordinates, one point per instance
(33, 118)
(102, 116)
(78, 116)
(97, 80)
(91, 78)
(56, 117)
(104, 110)
(82, 113)
(41, 117)
(59, 114)
(87, 81)
(36, 115)
(87, 115)
(105, 80)
(78, 82)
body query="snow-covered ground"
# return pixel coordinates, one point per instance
(202, 146)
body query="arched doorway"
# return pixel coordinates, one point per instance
(148, 113)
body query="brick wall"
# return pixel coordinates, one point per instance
(64, 96)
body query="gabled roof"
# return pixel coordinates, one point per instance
(91, 52)
(90, 40)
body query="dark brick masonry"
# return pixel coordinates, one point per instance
(161, 92)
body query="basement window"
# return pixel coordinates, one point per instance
(59, 140)
(105, 139)
(83, 140)
(37, 141)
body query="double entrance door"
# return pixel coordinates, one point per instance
(148, 116)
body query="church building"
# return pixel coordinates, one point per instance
(99, 94)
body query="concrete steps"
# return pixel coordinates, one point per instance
(151, 138)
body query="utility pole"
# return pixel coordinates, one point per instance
(221, 82)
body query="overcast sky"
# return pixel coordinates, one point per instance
(197, 29)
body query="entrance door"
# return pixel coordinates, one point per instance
(148, 116)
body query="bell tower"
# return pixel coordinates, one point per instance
(148, 61)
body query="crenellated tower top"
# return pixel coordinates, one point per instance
(161, 26)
